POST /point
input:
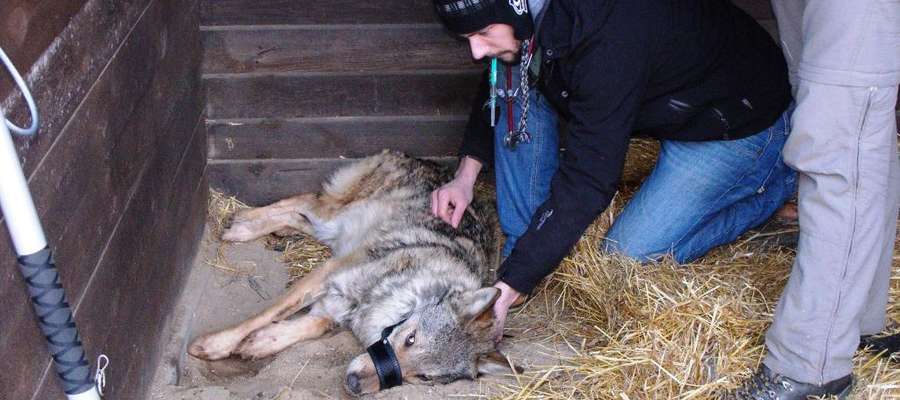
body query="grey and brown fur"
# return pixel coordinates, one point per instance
(392, 261)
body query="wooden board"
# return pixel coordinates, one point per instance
(263, 182)
(262, 12)
(329, 95)
(266, 12)
(69, 69)
(27, 27)
(334, 49)
(140, 276)
(91, 175)
(335, 137)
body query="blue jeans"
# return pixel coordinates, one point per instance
(700, 194)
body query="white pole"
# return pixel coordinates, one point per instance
(36, 262)
(15, 200)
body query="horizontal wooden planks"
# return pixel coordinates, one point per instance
(334, 49)
(267, 12)
(147, 100)
(263, 182)
(256, 12)
(334, 137)
(330, 95)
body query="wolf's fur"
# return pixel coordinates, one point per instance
(393, 261)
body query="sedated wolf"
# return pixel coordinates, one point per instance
(402, 280)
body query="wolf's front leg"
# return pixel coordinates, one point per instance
(280, 335)
(219, 345)
(291, 215)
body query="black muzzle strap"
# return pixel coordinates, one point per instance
(386, 364)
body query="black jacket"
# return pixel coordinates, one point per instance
(669, 69)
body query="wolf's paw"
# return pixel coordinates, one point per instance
(215, 346)
(239, 233)
(265, 342)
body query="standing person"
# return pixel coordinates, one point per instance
(844, 64)
(699, 75)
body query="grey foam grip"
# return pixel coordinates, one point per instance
(55, 320)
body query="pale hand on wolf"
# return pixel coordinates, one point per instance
(507, 298)
(449, 202)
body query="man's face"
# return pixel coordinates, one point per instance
(495, 40)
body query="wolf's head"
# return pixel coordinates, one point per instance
(440, 342)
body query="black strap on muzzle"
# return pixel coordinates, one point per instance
(386, 364)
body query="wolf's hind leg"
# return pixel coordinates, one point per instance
(280, 335)
(284, 217)
(307, 290)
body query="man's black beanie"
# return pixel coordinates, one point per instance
(468, 16)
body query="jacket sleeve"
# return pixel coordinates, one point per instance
(478, 140)
(606, 91)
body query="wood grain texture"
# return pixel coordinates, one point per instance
(140, 276)
(265, 12)
(141, 109)
(273, 12)
(263, 182)
(335, 137)
(27, 27)
(335, 95)
(335, 49)
(67, 70)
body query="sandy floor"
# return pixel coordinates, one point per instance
(214, 298)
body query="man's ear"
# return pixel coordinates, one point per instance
(476, 307)
(495, 363)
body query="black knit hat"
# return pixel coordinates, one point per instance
(468, 16)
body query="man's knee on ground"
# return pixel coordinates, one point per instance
(641, 251)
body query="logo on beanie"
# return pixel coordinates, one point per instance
(519, 6)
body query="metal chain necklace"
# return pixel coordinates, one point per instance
(519, 6)
(520, 134)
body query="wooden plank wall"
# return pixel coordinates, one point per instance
(118, 173)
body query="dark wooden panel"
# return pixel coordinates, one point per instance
(335, 137)
(69, 69)
(88, 179)
(759, 9)
(259, 12)
(141, 274)
(328, 49)
(26, 29)
(263, 182)
(329, 95)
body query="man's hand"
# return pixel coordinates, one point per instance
(508, 297)
(449, 202)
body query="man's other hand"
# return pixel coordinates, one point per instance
(508, 297)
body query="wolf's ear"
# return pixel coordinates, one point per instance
(477, 305)
(495, 363)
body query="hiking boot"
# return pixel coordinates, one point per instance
(767, 385)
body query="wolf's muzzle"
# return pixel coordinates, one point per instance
(386, 364)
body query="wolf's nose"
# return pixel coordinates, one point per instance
(353, 383)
